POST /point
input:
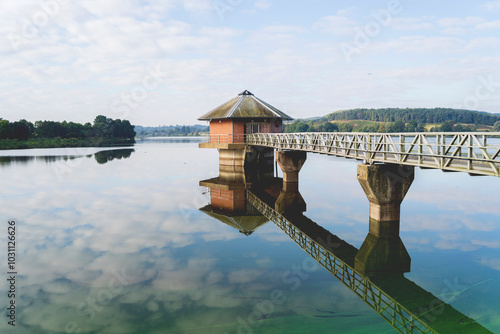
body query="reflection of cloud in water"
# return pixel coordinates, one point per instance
(492, 263)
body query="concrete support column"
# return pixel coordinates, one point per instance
(385, 186)
(232, 158)
(290, 200)
(290, 163)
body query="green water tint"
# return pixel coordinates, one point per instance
(406, 299)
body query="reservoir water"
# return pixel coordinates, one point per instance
(112, 240)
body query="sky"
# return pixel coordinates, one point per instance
(170, 61)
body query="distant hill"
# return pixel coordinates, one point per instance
(170, 130)
(420, 115)
(399, 120)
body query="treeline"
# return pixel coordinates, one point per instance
(103, 127)
(322, 125)
(398, 120)
(171, 130)
(420, 115)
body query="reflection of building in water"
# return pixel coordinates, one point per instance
(228, 202)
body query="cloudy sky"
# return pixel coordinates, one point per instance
(171, 61)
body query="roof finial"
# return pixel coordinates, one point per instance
(246, 92)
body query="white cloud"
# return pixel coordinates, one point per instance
(483, 42)
(410, 24)
(489, 25)
(491, 5)
(486, 243)
(262, 4)
(88, 54)
(421, 44)
(198, 5)
(346, 11)
(336, 25)
(492, 263)
(459, 26)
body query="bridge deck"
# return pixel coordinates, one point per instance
(475, 153)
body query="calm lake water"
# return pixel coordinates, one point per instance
(113, 241)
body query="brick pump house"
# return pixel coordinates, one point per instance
(233, 120)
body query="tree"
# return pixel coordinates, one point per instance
(103, 126)
(447, 126)
(329, 127)
(345, 127)
(5, 131)
(398, 126)
(496, 126)
(411, 126)
(123, 129)
(22, 130)
(458, 128)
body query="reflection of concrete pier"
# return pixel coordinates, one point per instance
(385, 186)
(290, 199)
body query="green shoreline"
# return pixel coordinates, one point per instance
(14, 144)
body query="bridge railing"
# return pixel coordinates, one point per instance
(226, 139)
(472, 152)
(390, 309)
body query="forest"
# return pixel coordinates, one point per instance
(24, 134)
(420, 115)
(399, 120)
(170, 130)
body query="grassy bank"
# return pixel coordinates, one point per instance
(12, 144)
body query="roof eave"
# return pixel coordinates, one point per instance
(249, 118)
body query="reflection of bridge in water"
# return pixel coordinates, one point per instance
(374, 272)
(404, 305)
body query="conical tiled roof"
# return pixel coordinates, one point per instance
(246, 224)
(245, 105)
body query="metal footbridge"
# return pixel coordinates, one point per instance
(476, 153)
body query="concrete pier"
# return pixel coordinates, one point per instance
(385, 186)
(235, 160)
(290, 201)
(290, 163)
